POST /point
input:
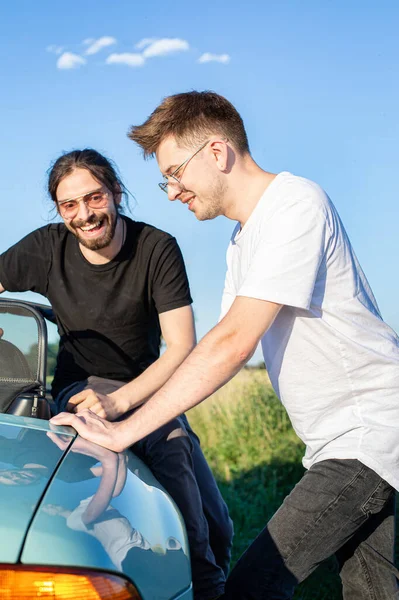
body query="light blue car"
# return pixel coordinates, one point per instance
(77, 521)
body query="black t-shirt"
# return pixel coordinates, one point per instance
(107, 315)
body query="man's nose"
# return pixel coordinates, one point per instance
(84, 211)
(174, 191)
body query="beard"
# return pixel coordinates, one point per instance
(211, 205)
(109, 220)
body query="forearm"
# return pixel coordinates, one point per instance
(103, 495)
(152, 379)
(212, 363)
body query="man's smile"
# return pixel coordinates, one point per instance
(189, 201)
(91, 229)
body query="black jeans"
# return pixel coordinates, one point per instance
(174, 455)
(339, 507)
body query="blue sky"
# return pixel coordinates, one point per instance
(316, 83)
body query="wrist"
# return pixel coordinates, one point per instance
(124, 435)
(121, 400)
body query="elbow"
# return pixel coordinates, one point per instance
(240, 351)
(186, 349)
(250, 352)
(181, 351)
(190, 347)
(244, 355)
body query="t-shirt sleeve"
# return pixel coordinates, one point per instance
(25, 266)
(287, 255)
(170, 287)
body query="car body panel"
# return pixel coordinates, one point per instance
(135, 529)
(22, 489)
(187, 595)
(33, 423)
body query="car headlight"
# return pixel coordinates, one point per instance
(26, 582)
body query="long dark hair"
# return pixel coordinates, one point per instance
(102, 169)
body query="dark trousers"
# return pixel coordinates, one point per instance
(174, 455)
(339, 507)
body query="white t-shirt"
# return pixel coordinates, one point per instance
(112, 530)
(331, 359)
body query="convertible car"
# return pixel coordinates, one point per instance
(77, 520)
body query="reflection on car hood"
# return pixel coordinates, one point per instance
(28, 461)
(69, 502)
(104, 510)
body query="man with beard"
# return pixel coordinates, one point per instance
(116, 286)
(294, 284)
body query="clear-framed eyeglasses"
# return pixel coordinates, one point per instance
(172, 178)
(96, 199)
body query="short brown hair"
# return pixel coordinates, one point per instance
(190, 117)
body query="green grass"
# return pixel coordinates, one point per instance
(256, 458)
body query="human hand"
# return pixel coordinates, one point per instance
(103, 405)
(93, 428)
(1, 332)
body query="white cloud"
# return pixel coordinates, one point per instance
(102, 42)
(88, 41)
(68, 60)
(208, 57)
(126, 58)
(145, 42)
(54, 49)
(165, 46)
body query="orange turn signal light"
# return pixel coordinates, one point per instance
(23, 582)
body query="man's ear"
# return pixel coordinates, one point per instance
(220, 151)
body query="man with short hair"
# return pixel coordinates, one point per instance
(294, 284)
(115, 286)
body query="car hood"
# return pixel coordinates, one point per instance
(28, 461)
(85, 506)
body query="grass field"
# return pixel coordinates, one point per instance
(256, 458)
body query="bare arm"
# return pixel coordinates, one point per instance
(178, 332)
(177, 327)
(108, 472)
(216, 359)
